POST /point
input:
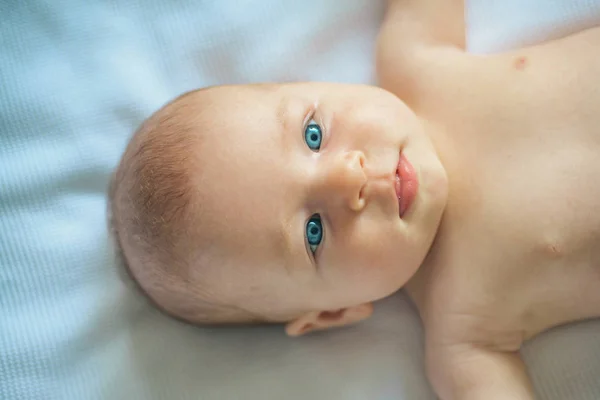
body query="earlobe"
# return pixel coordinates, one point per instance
(319, 320)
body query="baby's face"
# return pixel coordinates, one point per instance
(314, 196)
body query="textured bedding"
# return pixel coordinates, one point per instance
(76, 78)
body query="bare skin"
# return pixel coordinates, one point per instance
(506, 152)
(517, 251)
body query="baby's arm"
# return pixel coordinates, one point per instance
(426, 22)
(468, 372)
(420, 40)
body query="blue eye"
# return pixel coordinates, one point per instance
(313, 136)
(314, 232)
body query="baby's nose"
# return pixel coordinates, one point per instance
(346, 178)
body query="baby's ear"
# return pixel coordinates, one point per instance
(318, 320)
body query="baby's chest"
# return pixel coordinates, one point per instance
(547, 202)
(505, 284)
(528, 251)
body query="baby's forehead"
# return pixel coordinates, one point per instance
(242, 166)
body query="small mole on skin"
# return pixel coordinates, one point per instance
(553, 250)
(520, 63)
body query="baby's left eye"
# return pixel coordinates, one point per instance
(313, 135)
(314, 232)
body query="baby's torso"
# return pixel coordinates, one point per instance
(518, 249)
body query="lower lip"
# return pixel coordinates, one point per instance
(406, 184)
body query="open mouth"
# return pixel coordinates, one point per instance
(406, 184)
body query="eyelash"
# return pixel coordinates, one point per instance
(311, 118)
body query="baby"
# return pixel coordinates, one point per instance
(472, 181)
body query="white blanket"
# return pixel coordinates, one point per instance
(76, 78)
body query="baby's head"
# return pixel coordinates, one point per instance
(298, 203)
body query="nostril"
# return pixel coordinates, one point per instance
(360, 202)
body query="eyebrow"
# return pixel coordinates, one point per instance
(286, 244)
(285, 238)
(282, 116)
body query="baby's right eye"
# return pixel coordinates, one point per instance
(314, 232)
(313, 135)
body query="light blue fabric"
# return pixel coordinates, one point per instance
(76, 78)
